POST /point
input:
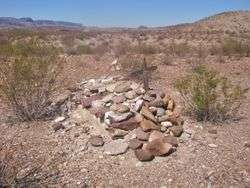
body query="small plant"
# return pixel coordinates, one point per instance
(27, 78)
(209, 97)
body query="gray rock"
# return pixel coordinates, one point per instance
(115, 147)
(160, 112)
(108, 98)
(115, 117)
(135, 144)
(119, 134)
(96, 141)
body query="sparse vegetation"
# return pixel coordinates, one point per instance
(232, 47)
(27, 78)
(208, 96)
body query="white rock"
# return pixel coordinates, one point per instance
(167, 124)
(59, 119)
(212, 145)
(138, 105)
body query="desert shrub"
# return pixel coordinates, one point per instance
(232, 47)
(208, 96)
(130, 62)
(179, 49)
(27, 78)
(143, 48)
(79, 50)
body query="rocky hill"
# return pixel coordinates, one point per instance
(226, 21)
(29, 22)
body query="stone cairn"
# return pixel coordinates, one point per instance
(143, 121)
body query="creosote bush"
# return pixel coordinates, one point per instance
(209, 97)
(27, 78)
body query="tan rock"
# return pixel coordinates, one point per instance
(143, 155)
(158, 147)
(148, 125)
(171, 140)
(171, 105)
(176, 130)
(155, 135)
(148, 115)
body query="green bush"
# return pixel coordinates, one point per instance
(27, 78)
(208, 96)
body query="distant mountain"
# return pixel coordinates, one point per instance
(29, 22)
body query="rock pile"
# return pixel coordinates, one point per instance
(145, 122)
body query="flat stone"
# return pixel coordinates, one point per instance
(155, 135)
(135, 144)
(143, 155)
(127, 125)
(115, 147)
(116, 117)
(147, 114)
(141, 135)
(176, 130)
(96, 141)
(123, 87)
(119, 99)
(130, 95)
(158, 147)
(148, 125)
(120, 108)
(138, 105)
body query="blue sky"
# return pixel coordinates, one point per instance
(120, 12)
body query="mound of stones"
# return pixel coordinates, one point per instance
(135, 119)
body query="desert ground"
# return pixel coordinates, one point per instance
(209, 154)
